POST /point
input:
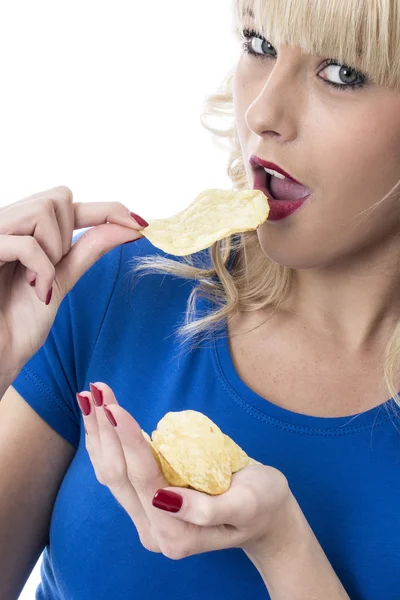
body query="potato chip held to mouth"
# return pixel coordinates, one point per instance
(212, 216)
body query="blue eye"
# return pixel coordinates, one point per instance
(259, 46)
(344, 73)
(256, 45)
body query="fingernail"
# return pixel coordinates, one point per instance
(110, 416)
(97, 395)
(133, 241)
(49, 295)
(84, 404)
(168, 501)
(139, 220)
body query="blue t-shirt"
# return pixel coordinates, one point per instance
(344, 472)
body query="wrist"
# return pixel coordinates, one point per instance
(290, 532)
(293, 565)
(6, 379)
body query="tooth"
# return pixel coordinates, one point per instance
(274, 173)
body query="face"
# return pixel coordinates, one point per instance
(343, 144)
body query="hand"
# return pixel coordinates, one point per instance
(243, 517)
(36, 244)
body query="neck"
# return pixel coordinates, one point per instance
(356, 304)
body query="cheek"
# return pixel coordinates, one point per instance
(352, 152)
(241, 100)
(329, 230)
(347, 184)
(349, 165)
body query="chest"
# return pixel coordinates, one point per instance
(303, 377)
(346, 487)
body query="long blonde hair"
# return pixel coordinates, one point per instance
(353, 32)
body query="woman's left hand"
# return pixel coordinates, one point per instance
(247, 516)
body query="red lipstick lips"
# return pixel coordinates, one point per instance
(285, 195)
(258, 162)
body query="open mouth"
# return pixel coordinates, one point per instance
(278, 189)
(262, 181)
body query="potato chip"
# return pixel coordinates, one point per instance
(195, 448)
(188, 420)
(239, 458)
(153, 449)
(212, 216)
(254, 462)
(172, 477)
(192, 451)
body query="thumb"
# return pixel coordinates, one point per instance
(111, 225)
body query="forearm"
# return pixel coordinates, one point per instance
(6, 379)
(299, 569)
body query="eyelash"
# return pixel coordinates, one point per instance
(247, 35)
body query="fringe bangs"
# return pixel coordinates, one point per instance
(363, 34)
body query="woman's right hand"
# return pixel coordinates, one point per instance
(36, 244)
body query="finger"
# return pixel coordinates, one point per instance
(146, 477)
(42, 216)
(48, 218)
(89, 214)
(48, 236)
(110, 225)
(62, 198)
(21, 217)
(46, 222)
(113, 466)
(237, 507)
(85, 403)
(143, 470)
(122, 489)
(113, 470)
(30, 276)
(29, 253)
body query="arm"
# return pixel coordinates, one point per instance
(6, 379)
(293, 564)
(33, 462)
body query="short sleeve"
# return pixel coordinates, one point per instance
(49, 381)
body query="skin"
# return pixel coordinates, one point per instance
(345, 147)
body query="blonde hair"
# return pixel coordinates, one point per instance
(366, 34)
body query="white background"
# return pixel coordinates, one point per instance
(105, 97)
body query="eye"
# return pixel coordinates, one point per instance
(347, 78)
(260, 46)
(342, 75)
(255, 44)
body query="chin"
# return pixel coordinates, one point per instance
(292, 262)
(292, 255)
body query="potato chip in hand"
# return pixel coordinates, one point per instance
(192, 451)
(212, 216)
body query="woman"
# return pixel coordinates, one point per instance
(291, 347)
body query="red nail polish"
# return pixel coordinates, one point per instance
(97, 395)
(49, 295)
(84, 404)
(139, 220)
(168, 501)
(133, 241)
(110, 416)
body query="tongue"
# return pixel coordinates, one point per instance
(284, 189)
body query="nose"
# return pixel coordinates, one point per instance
(276, 109)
